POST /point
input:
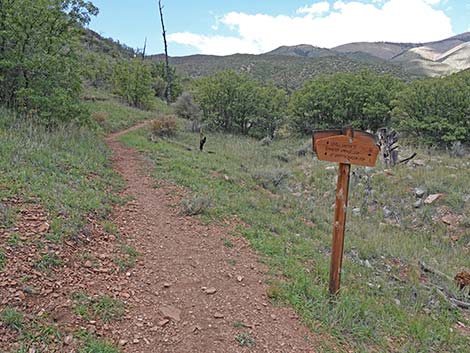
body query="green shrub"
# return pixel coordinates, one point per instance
(235, 103)
(195, 205)
(39, 67)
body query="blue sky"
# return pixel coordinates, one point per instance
(255, 26)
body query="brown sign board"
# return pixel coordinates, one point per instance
(359, 148)
(345, 147)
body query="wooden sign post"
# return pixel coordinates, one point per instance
(346, 147)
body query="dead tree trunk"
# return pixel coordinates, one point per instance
(145, 48)
(388, 148)
(167, 65)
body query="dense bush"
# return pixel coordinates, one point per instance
(158, 72)
(234, 102)
(436, 111)
(132, 80)
(361, 100)
(39, 67)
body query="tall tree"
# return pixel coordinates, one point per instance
(168, 73)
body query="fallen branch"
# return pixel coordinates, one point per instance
(186, 147)
(406, 160)
(182, 145)
(448, 297)
(429, 269)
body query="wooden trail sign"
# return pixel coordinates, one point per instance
(346, 147)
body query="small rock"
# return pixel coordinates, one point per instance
(136, 340)
(21, 296)
(163, 322)
(170, 312)
(356, 211)
(219, 315)
(166, 285)
(226, 178)
(125, 295)
(367, 264)
(418, 204)
(387, 212)
(451, 220)
(88, 264)
(211, 290)
(432, 198)
(330, 168)
(68, 339)
(239, 278)
(419, 192)
(43, 228)
(419, 163)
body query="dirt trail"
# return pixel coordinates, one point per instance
(189, 292)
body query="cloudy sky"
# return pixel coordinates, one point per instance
(256, 26)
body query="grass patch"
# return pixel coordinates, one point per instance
(47, 262)
(3, 260)
(128, 258)
(12, 318)
(227, 243)
(113, 115)
(104, 308)
(14, 240)
(67, 169)
(245, 340)
(95, 345)
(288, 206)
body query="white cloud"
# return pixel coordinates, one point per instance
(391, 20)
(315, 8)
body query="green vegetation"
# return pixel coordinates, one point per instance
(245, 340)
(94, 345)
(383, 305)
(128, 258)
(113, 115)
(361, 100)
(436, 111)
(234, 102)
(432, 111)
(48, 261)
(38, 51)
(133, 82)
(67, 168)
(288, 72)
(104, 308)
(12, 318)
(3, 260)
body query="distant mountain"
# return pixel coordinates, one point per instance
(382, 50)
(437, 58)
(303, 51)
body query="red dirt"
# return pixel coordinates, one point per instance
(182, 261)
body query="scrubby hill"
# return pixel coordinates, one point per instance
(286, 71)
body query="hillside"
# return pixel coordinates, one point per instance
(437, 58)
(285, 70)
(382, 50)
